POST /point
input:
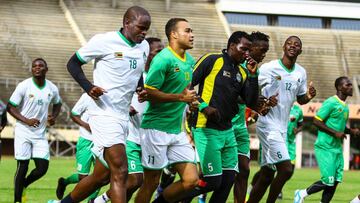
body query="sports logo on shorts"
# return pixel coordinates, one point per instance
(118, 55)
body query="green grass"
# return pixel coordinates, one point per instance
(44, 189)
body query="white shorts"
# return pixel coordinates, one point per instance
(107, 131)
(27, 148)
(273, 143)
(160, 149)
(134, 129)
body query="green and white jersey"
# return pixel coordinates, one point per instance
(335, 113)
(33, 102)
(168, 73)
(118, 66)
(239, 118)
(276, 78)
(296, 116)
(81, 109)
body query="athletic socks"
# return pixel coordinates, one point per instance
(303, 193)
(355, 200)
(160, 199)
(102, 198)
(67, 199)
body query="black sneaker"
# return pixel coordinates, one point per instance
(60, 189)
(280, 196)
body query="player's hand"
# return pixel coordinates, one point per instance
(188, 96)
(273, 101)
(142, 94)
(311, 93)
(251, 65)
(340, 135)
(132, 111)
(193, 106)
(51, 120)
(211, 113)
(33, 122)
(292, 118)
(96, 92)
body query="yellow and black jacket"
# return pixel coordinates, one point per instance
(221, 82)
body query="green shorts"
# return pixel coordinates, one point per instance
(331, 166)
(84, 156)
(242, 140)
(217, 150)
(292, 151)
(133, 153)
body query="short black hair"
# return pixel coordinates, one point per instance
(236, 36)
(133, 12)
(294, 37)
(339, 81)
(150, 40)
(40, 59)
(259, 36)
(171, 25)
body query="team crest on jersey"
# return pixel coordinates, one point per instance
(31, 96)
(119, 55)
(238, 77)
(278, 77)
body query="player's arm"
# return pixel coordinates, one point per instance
(14, 111)
(308, 96)
(92, 50)
(323, 127)
(298, 128)
(250, 90)
(202, 69)
(155, 79)
(55, 113)
(77, 119)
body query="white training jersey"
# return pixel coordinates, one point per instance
(118, 66)
(275, 78)
(81, 109)
(33, 102)
(135, 121)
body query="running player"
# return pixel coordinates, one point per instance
(119, 62)
(259, 47)
(221, 81)
(163, 142)
(331, 121)
(285, 78)
(29, 105)
(133, 147)
(84, 158)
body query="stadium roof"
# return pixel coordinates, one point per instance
(293, 7)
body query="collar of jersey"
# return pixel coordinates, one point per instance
(176, 55)
(287, 70)
(131, 44)
(341, 101)
(228, 57)
(40, 88)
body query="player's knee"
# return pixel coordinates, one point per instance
(243, 173)
(134, 181)
(286, 173)
(190, 181)
(120, 175)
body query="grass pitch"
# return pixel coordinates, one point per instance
(44, 189)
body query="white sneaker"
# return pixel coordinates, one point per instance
(298, 198)
(53, 201)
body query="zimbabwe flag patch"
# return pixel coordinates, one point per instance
(118, 55)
